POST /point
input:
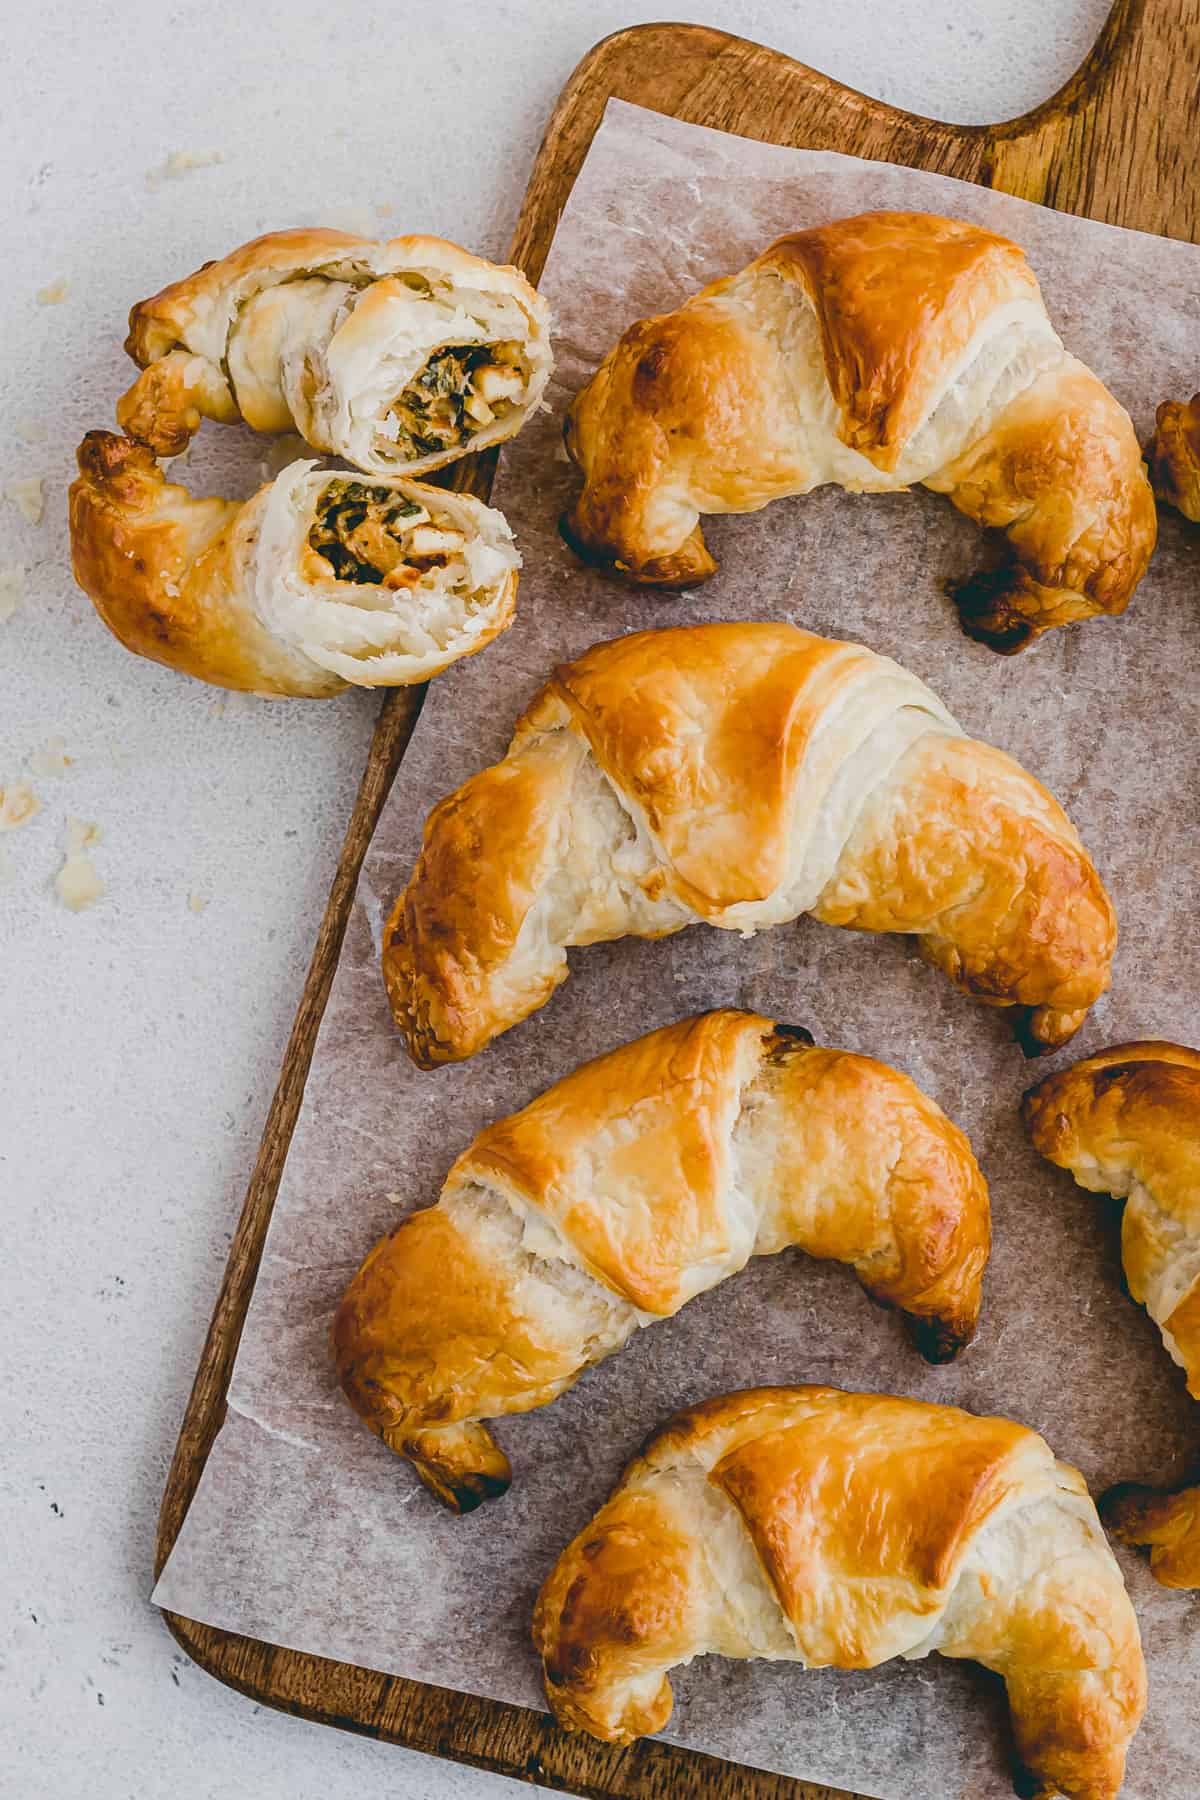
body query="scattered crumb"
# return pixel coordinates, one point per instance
(34, 431)
(216, 709)
(197, 902)
(77, 883)
(385, 209)
(12, 590)
(50, 761)
(18, 804)
(282, 451)
(180, 163)
(395, 1198)
(55, 294)
(28, 497)
(358, 219)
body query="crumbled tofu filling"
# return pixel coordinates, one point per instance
(458, 392)
(372, 535)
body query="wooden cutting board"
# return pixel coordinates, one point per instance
(1117, 143)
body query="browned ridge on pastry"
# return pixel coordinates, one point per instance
(398, 356)
(873, 353)
(1127, 1122)
(741, 775)
(320, 581)
(642, 1179)
(840, 1530)
(1174, 456)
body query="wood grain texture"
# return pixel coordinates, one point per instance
(1116, 143)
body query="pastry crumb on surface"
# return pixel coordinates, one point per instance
(55, 293)
(78, 884)
(12, 590)
(197, 902)
(18, 804)
(29, 497)
(51, 759)
(180, 163)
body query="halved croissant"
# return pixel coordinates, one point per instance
(397, 356)
(873, 353)
(320, 581)
(1127, 1122)
(1174, 456)
(640, 1180)
(741, 775)
(840, 1530)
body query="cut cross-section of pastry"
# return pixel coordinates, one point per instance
(840, 1530)
(397, 356)
(1127, 1122)
(322, 580)
(873, 353)
(741, 775)
(640, 1180)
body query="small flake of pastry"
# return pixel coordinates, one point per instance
(182, 162)
(397, 357)
(1174, 456)
(78, 884)
(18, 804)
(51, 760)
(28, 496)
(12, 591)
(320, 581)
(54, 293)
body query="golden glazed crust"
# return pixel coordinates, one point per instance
(1127, 1122)
(643, 1178)
(318, 331)
(842, 1530)
(230, 593)
(874, 352)
(1174, 456)
(697, 774)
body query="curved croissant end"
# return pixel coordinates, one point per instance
(1127, 1122)
(320, 581)
(643, 1178)
(841, 1530)
(741, 775)
(1174, 456)
(872, 353)
(398, 356)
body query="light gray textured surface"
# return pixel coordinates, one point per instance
(140, 1042)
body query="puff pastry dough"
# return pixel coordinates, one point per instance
(642, 1179)
(320, 581)
(841, 1530)
(1127, 1122)
(874, 353)
(1174, 456)
(396, 356)
(741, 775)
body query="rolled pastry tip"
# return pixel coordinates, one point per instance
(320, 581)
(398, 357)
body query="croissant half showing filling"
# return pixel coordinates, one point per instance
(318, 582)
(872, 353)
(840, 1530)
(397, 356)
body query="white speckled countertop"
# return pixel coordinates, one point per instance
(140, 1040)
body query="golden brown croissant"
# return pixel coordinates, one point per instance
(1174, 456)
(397, 356)
(320, 581)
(1127, 1122)
(642, 1179)
(741, 775)
(874, 352)
(840, 1530)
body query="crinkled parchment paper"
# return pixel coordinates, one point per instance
(305, 1530)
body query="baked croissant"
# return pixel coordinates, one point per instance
(741, 775)
(320, 581)
(1174, 456)
(840, 1530)
(874, 352)
(397, 356)
(642, 1179)
(1127, 1122)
